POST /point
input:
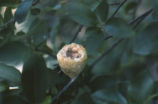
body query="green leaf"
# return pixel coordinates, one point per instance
(4, 86)
(80, 13)
(34, 78)
(106, 67)
(108, 96)
(142, 86)
(102, 82)
(23, 10)
(47, 100)
(146, 41)
(102, 12)
(117, 27)
(109, 65)
(10, 74)
(93, 35)
(91, 4)
(155, 9)
(83, 99)
(14, 53)
(1, 20)
(9, 2)
(83, 96)
(8, 14)
(64, 29)
(53, 78)
(35, 11)
(38, 31)
(14, 99)
(130, 6)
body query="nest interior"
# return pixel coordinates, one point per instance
(72, 53)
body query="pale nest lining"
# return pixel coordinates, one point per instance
(72, 51)
(72, 59)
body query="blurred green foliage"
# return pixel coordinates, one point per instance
(32, 35)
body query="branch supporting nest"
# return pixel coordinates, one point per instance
(64, 89)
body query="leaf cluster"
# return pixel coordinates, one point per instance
(29, 71)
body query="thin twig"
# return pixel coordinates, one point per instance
(64, 89)
(116, 43)
(76, 34)
(108, 37)
(105, 53)
(141, 19)
(35, 2)
(138, 20)
(141, 16)
(73, 79)
(118, 9)
(120, 5)
(101, 56)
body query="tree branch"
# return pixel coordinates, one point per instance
(92, 65)
(108, 37)
(76, 34)
(64, 89)
(118, 9)
(141, 17)
(138, 20)
(105, 53)
(35, 2)
(116, 43)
